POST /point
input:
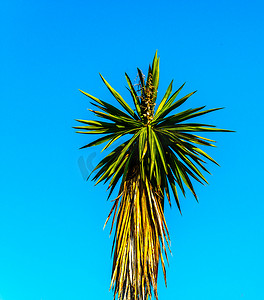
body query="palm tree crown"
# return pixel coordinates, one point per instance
(160, 157)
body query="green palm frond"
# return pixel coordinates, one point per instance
(161, 155)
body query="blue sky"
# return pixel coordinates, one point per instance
(52, 243)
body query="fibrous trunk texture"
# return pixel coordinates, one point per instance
(139, 240)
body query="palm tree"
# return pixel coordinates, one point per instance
(160, 156)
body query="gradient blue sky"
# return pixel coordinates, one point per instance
(52, 243)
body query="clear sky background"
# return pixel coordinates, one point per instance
(52, 243)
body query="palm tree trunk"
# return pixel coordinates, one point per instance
(139, 240)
